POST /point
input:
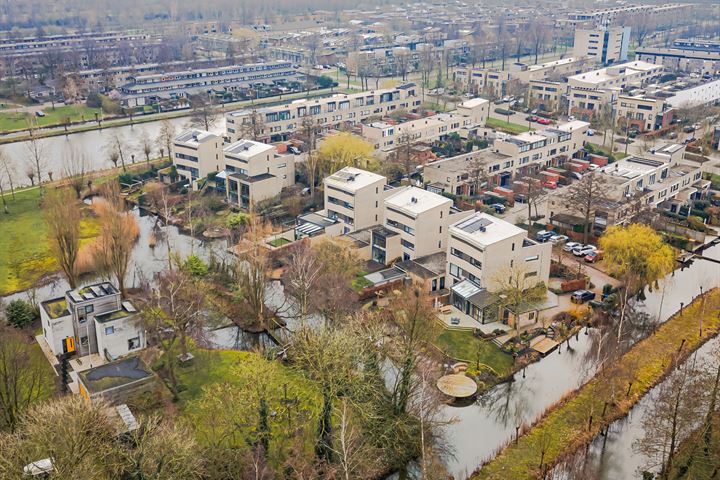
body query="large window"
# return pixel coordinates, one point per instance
(134, 343)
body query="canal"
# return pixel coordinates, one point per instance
(480, 429)
(92, 144)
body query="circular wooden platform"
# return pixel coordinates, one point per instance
(457, 385)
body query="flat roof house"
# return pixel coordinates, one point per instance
(97, 319)
(196, 153)
(421, 218)
(355, 198)
(255, 171)
(480, 249)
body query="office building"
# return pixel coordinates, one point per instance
(604, 45)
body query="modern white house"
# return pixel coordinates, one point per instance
(481, 248)
(97, 321)
(355, 198)
(196, 153)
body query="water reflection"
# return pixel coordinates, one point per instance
(486, 426)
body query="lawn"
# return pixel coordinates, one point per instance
(221, 392)
(565, 427)
(463, 345)
(506, 126)
(26, 255)
(279, 242)
(600, 150)
(10, 121)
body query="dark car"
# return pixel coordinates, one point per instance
(582, 296)
(499, 207)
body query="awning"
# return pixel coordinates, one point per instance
(308, 229)
(466, 289)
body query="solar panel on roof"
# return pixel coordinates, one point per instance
(473, 224)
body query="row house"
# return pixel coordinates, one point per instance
(278, 123)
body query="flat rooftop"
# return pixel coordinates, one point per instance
(116, 374)
(614, 71)
(127, 309)
(414, 200)
(473, 102)
(247, 148)
(484, 229)
(195, 137)
(91, 292)
(56, 308)
(353, 179)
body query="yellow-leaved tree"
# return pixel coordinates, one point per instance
(344, 149)
(637, 255)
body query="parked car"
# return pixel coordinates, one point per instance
(550, 184)
(582, 296)
(689, 129)
(570, 246)
(593, 167)
(590, 132)
(593, 257)
(531, 118)
(534, 111)
(672, 135)
(543, 121)
(558, 239)
(576, 175)
(583, 250)
(689, 140)
(499, 207)
(39, 113)
(505, 99)
(544, 235)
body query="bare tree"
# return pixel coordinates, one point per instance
(204, 111)
(166, 137)
(114, 149)
(21, 378)
(36, 159)
(253, 274)
(478, 174)
(75, 165)
(145, 144)
(584, 195)
(302, 278)
(8, 171)
(119, 231)
(173, 313)
(252, 126)
(62, 216)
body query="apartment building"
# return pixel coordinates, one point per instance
(589, 92)
(355, 198)
(481, 248)
(278, 123)
(494, 81)
(688, 55)
(620, 15)
(508, 158)
(96, 320)
(643, 113)
(465, 120)
(255, 171)
(604, 45)
(547, 95)
(196, 153)
(661, 178)
(421, 218)
(141, 89)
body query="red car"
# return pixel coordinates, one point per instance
(543, 121)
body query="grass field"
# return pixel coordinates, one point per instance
(606, 151)
(463, 345)
(565, 427)
(11, 121)
(506, 126)
(26, 255)
(221, 395)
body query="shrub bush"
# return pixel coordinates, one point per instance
(195, 266)
(19, 313)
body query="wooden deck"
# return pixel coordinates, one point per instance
(457, 385)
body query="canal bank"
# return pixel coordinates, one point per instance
(483, 427)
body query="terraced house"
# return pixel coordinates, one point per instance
(278, 123)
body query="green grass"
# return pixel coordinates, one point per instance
(221, 392)
(564, 428)
(26, 254)
(360, 282)
(279, 242)
(600, 150)
(463, 345)
(12, 121)
(506, 126)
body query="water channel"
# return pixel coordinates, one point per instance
(479, 429)
(483, 427)
(91, 144)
